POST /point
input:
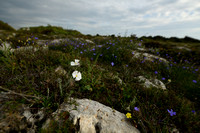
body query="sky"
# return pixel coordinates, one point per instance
(168, 18)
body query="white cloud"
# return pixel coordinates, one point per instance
(162, 17)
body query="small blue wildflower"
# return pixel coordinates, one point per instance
(196, 69)
(163, 78)
(91, 58)
(115, 56)
(171, 112)
(193, 111)
(94, 53)
(142, 61)
(194, 81)
(18, 46)
(81, 52)
(139, 44)
(101, 54)
(126, 65)
(112, 63)
(132, 52)
(108, 48)
(157, 52)
(36, 38)
(156, 72)
(183, 67)
(93, 49)
(170, 64)
(136, 108)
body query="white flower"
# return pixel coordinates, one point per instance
(76, 75)
(76, 63)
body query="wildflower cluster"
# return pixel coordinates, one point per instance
(76, 74)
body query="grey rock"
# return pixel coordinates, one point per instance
(148, 56)
(152, 83)
(92, 116)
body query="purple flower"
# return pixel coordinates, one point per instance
(196, 69)
(126, 65)
(101, 54)
(156, 72)
(115, 56)
(132, 52)
(112, 63)
(108, 47)
(163, 78)
(136, 108)
(36, 38)
(194, 81)
(81, 52)
(93, 49)
(193, 111)
(171, 112)
(94, 53)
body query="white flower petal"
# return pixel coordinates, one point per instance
(78, 76)
(72, 63)
(76, 60)
(74, 74)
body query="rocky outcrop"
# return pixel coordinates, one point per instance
(152, 83)
(93, 117)
(148, 56)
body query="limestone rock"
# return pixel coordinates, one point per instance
(152, 83)
(148, 56)
(92, 117)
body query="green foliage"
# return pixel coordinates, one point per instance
(33, 72)
(5, 26)
(49, 30)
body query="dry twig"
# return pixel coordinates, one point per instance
(20, 94)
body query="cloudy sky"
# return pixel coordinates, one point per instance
(105, 17)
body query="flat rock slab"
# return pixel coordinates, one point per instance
(92, 117)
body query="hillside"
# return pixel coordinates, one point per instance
(152, 82)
